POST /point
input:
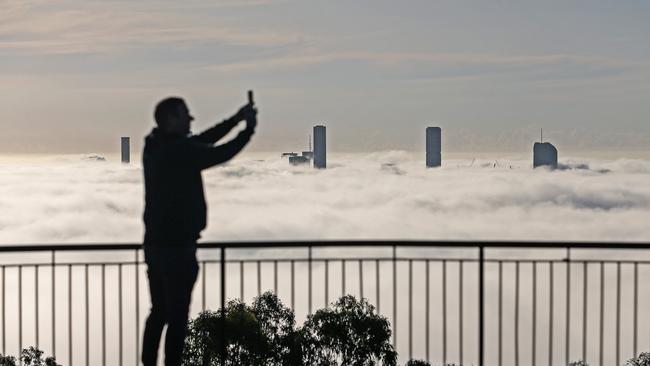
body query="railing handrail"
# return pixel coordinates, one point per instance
(491, 244)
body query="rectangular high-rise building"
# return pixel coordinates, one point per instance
(126, 150)
(434, 147)
(544, 154)
(320, 147)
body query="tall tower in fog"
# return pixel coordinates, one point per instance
(544, 153)
(126, 150)
(320, 147)
(434, 147)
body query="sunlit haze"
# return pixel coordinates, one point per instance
(76, 75)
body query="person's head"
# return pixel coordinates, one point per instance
(172, 116)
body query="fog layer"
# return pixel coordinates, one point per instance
(373, 196)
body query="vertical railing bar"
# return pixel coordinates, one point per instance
(481, 302)
(4, 311)
(70, 313)
(36, 296)
(120, 316)
(327, 281)
(377, 283)
(361, 278)
(410, 308)
(534, 336)
(137, 306)
(500, 324)
(343, 289)
(53, 305)
(103, 314)
(259, 278)
(567, 340)
(203, 284)
(20, 308)
(550, 322)
(585, 287)
(460, 311)
(394, 295)
(602, 313)
(309, 279)
(636, 308)
(87, 311)
(618, 312)
(517, 313)
(241, 280)
(293, 285)
(222, 269)
(427, 305)
(444, 312)
(275, 277)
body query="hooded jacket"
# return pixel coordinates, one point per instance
(175, 209)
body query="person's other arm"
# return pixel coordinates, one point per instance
(218, 131)
(204, 156)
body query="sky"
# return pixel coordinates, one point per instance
(76, 75)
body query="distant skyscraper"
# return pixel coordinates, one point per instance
(434, 147)
(309, 154)
(320, 147)
(126, 150)
(544, 154)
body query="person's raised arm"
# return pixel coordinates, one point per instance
(204, 156)
(218, 131)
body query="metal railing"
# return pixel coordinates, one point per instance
(472, 303)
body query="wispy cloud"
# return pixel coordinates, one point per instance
(87, 27)
(464, 64)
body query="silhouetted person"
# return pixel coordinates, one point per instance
(175, 215)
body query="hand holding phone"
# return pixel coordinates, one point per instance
(251, 119)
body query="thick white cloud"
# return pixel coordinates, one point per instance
(67, 199)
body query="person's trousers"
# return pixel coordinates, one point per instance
(172, 272)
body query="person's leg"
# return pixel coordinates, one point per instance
(156, 319)
(178, 298)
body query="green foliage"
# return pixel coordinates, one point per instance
(31, 356)
(350, 333)
(578, 363)
(262, 334)
(7, 360)
(34, 357)
(277, 324)
(642, 360)
(417, 363)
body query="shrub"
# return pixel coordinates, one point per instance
(7, 360)
(417, 363)
(263, 334)
(348, 333)
(277, 325)
(578, 363)
(642, 360)
(243, 336)
(31, 356)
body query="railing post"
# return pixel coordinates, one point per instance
(223, 305)
(395, 296)
(481, 301)
(53, 305)
(136, 266)
(309, 280)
